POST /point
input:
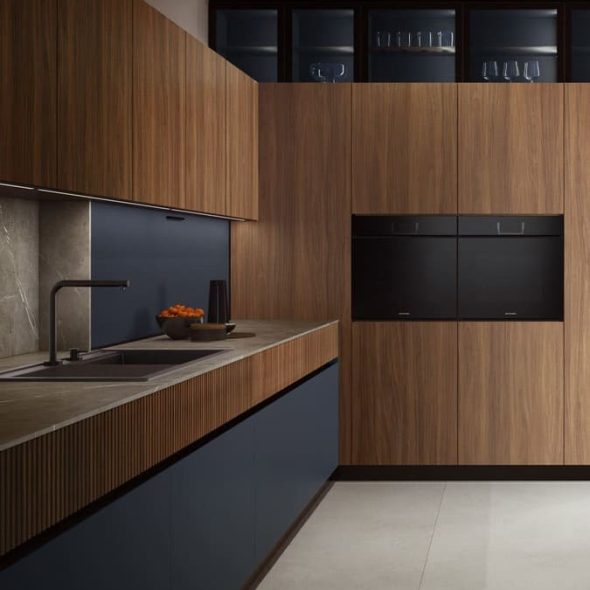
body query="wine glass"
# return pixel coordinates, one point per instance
(383, 39)
(489, 70)
(511, 70)
(318, 72)
(338, 71)
(532, 70)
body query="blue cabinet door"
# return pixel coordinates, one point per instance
(123, 546)
(296, 450)
(212, 523)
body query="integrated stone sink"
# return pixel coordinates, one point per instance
(112, 365)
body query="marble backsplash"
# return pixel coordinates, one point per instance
(19, 276)
(41, 243)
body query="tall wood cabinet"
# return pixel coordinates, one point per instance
(95, 97)
(577, 275)
(242, 144)
(404, 380)
(28, 97)
(511, 393)
(404, 157)
(158, 108)
(295, 261)
(206, 129)
(511, 148)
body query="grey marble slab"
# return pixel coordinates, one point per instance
(31, 409)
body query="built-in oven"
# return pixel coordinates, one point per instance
(510, 267)
(404, 267)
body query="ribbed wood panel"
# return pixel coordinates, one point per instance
(52, 477)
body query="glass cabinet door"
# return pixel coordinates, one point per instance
(323, 45)
(412, 45)
(249, 40)
(580, 55)
(513, 45)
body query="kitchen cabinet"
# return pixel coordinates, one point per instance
(242, 144)
(511, 393)
(577, 275)
(211, 517)
(404, 380)
(404, 157)
(511, 148)
(158, 108)
(94, 80)
(298, 254)
(28, 62)
(206, 145)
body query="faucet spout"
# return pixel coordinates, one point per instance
(123, 284)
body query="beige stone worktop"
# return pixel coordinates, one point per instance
(31, 409)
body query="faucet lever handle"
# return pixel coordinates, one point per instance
(74, 354)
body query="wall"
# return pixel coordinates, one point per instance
(168, 259)
(191, 15)
(19, 276)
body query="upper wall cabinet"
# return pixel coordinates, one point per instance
(242, 144)
(158, 108)
(95, 96)
(404, 144)
(28, 62)
(206, 158)
(511, 148)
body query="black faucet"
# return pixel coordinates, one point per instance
(52, 324)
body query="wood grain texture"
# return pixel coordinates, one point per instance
(404, 383)
(511, 148)
(511, 393)
(28, 99)
(158, 108)
(52, 477)
(206, 157)
(95, 96)
(242, 144)
(295, 262)
(577, 275)
(404, 157)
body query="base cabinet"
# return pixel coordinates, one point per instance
(511, 399)
(210, 519)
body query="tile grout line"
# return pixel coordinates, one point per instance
(432, 536)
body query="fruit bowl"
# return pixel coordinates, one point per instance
(175, 321)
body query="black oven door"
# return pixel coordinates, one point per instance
(410, 274)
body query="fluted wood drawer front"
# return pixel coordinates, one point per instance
(51, 477)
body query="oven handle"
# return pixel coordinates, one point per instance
(510, 233)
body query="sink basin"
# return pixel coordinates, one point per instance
(112, 365)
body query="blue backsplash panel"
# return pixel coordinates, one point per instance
(167, 261)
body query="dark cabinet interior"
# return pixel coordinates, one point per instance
(513, 45)
(249, 40)
(381, 41)
(323, 45)
(412, 45)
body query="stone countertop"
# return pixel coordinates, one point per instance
(30, 409)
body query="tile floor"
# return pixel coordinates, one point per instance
(439, 536)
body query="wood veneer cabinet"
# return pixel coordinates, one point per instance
(511, 393)
(95, 96)
(404, 382)
(577, 275)
(206, 141)
(404, 157)
(159, 114)
(242, 144)
(28, 62)
(295, 261)
(511, 148)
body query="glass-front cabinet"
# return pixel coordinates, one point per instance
(328, 41)
(323, 45)
(580, 45)
(412, 45)
(249, 40)
(512, 45)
